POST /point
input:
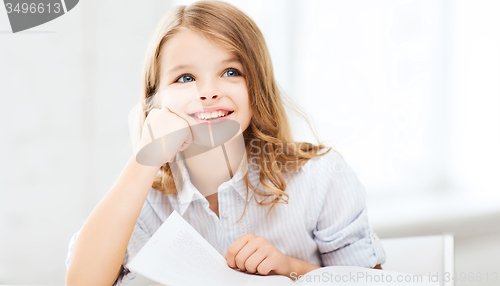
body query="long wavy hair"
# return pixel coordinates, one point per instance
(269, 131)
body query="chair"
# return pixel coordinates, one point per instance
(422, 255)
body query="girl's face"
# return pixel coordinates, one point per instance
(202, 82)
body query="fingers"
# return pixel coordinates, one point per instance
(234, 248)
(244, 255)
(160, 122)
(253, 262)
(249, 253)
(191, 136)
(265, 267)
(164, 135)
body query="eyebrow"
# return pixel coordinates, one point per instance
(226, 61)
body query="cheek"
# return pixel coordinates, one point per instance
(176, 98)
(174, 103)
(243, 102)
(238, 94)
(245, 111)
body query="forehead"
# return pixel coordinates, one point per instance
(192, 48)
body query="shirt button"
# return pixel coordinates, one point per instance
(224, 214)
(373, 237)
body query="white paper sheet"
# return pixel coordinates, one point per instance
(177, 255)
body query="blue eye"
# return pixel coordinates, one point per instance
(232, 72)
(185, 78)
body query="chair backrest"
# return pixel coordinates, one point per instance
(422, 255)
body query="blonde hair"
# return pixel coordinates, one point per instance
(233, 30)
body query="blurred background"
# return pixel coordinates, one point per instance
(408, 91)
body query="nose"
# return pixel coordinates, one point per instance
(215, 96)
(208, 90)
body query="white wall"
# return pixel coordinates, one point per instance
(66, 90)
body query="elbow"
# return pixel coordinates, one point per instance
(77, 277)
(72, 278)
(69, 279)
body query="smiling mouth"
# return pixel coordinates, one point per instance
(212, 115)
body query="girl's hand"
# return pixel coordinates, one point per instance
(254, 253)
(164, 134)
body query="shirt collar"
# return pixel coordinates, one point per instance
(189, 192)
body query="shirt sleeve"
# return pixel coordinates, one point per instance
(343, 234)
(138, 239)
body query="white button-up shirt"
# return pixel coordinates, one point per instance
(324, 223)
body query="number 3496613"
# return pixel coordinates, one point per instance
(33, 8)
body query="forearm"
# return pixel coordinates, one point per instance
(103, 240)
(299, 267)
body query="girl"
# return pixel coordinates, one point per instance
(296, 207)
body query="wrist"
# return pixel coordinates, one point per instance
(299, 267)
(142, 168)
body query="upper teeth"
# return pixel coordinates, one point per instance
(212, 115)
